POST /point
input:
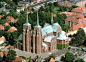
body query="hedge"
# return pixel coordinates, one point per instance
(62, 46)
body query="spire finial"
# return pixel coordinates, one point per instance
(37, 19)
(52, 18)
(27, 17)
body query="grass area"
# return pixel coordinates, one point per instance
(56, 10)
(3, 44)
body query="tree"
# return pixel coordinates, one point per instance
(1, 5)
(0, 58)
(69, 57)
(7, 28)
(52, 56)
(80, 37)
(55, 3)
(46, 4)
(85, 5)
(11, 55)
(3, 13)
(80, 60)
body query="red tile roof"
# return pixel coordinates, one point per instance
(54, 15)
(76, 27)
(79, 9)
(6, 24)
(1, 53)
(16, 20)
(0, 16)
(10, 18)
(2, 38)
(52, 60)
(75, 19)
(19, 59)
(12, 29)
(1, 27)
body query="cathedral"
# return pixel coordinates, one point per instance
(39, 40)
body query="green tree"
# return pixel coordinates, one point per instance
(69, 57)
(46, 4)
(3, 13)
(7, 28)
(1, 5)
(85, 5)
(55, 3)
(52, 56)
(79, 60)
(0, 58)
(11, 55)
(80, 37)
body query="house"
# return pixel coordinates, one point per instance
(9, 19)
(81, 3)
(80, 10)
(73, 30)
(1, 16)
(20, 9)
(18, 59)
(2, 27)
(16, 20)
(6, 24)
(73, 18)
(23, 3)
(65, 3)
(2, 53)
(2, 39)
(52, 60)
(12, 29)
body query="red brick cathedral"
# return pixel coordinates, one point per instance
(39, 40)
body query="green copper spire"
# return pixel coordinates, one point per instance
(52, 18)
(27, 17)
(37, 21)
(27, 23)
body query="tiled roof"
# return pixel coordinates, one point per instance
(10, 18)
(74, 14)
(16, 20)
(2, 38)
(6, 24)
(75, 19)
(52, 60)
(19, 59)
(0, 16)
(12, 29)
(1, 27)
(5, 52)
(1, 53)
(54, 15)
(79, 9)
(76, 27)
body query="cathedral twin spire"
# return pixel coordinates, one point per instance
(52, 18)
(27, 23)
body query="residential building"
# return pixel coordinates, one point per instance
(2, 39)
(39, 40)
(12, 29)
(18, 59)
(73, 18)
(52, 60)
(9, 19)
(73, 30)
(2, 27)
(6, 24)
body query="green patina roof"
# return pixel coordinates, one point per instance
(20, 37)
